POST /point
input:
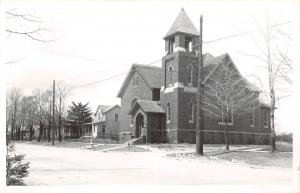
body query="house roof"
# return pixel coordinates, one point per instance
(102, 108)
(147, 107)
(182, 24)
(152, 75)
(111, 108)
(211, 63)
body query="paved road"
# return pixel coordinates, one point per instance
(66, 166)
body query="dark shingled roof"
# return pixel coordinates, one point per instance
(152, 75)
(182, 24)
(147, 106)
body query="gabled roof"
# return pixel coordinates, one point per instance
(147, 107)
(111, 108)
(152, 75)
(182, 24)
(102, 108)
(211, 63)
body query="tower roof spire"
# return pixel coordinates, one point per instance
(182, 24)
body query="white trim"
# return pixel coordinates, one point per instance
(190, 89)
(173, 87)
(169, 89)
(223, 123)
(178, 85)
(179, 49)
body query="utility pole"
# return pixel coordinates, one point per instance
(53, 111)
(200, 92)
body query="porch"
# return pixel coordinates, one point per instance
(149, 121)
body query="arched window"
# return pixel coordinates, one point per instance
(190, 74)
(168, 112)
(170, 72)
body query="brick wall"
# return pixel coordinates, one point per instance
(142, 91)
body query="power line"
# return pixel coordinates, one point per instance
(109, 78)
(206, 42)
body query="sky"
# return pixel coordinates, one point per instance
(98, 41)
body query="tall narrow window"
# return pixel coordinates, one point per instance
(170, 72)
(136, 80)
(224, 114)
(221, 118)
(230, 114)
(192, 112)
(168, 112)
(251, 115)
(116, 117)
(188, 44)
(190, 74)
(266, 119)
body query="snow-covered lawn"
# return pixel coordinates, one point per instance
(75, 166)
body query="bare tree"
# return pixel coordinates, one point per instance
(273, 43)
(12, 105)
(41, 98)
(61, 93)
(29, 26)
(227, 93)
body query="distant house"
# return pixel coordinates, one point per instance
(159, 102)
(106, 122)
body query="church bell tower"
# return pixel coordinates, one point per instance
(178, 92)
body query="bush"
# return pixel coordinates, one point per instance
(16, 169)
(286, 137)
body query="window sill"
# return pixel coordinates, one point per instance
(169, 121)
(191, 121)
(266, 127)
(131, 125)
(251, 125)
(221, 123)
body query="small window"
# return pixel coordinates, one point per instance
(116, 117)
(188, 44)
(171, 45)
(136, 81)
(168, 112)
(266, 119)
(251, 115)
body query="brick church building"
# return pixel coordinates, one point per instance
(159, 102)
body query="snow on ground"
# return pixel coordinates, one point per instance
(71, 166)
